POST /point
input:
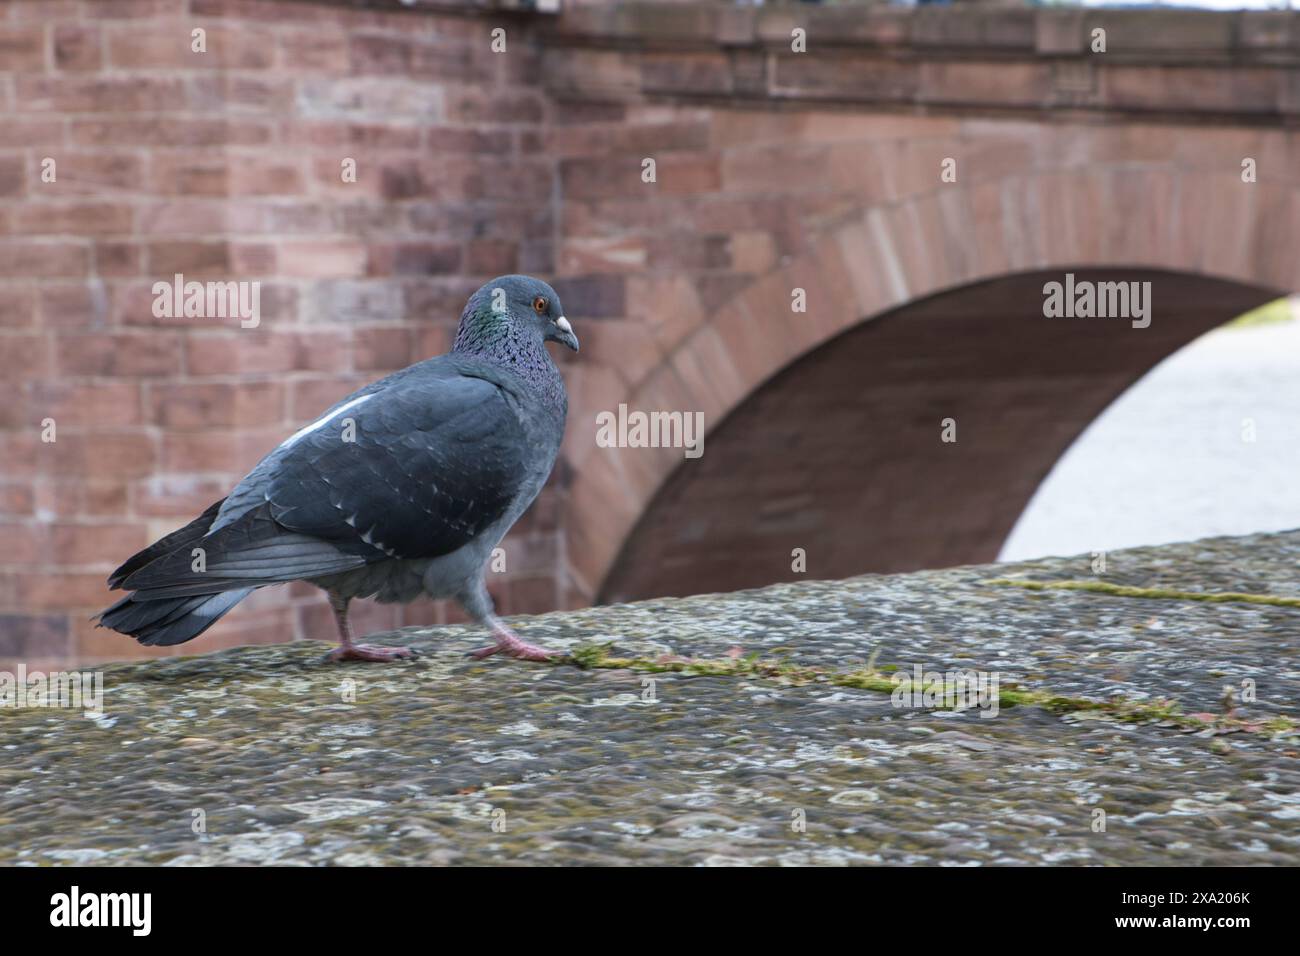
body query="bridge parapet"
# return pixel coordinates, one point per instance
(1172, 63)
(1025, 700)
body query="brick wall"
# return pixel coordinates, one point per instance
(227, 165)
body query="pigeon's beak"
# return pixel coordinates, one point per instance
(565, 335)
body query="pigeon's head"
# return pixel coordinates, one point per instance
(511, 308)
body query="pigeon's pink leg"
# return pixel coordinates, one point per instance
(512, 645)
(347, 651)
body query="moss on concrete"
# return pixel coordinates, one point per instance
(1161, 594)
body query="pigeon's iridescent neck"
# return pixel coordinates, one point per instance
(492, 336)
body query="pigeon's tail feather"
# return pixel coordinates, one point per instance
(251, 552)
(170, 620)
(181, 585)
(164, 546)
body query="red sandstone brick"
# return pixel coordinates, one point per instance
(395, 55)
(491, 257)
(167, 495)
(602, 296)
(537, 257)
(789, 167)
(45, 11)
(371, 218)
(185, 174)
(161, 132)
(325, 52)
(228, 404)
(398, 178)
(257, 10)
(95, 172)
(430, 340)
(17, 305)
(414, 258)
(865, 268)
(195, 260)
(43, 258)
(13, 175)
(689, 252)
(27, 356)
(16, 499)
(324, 258)
(97, 454)
(448, 139)
(271, 94)
(621, 344)
(19, 450)
(92, 644)
(22, 544)
(132, 9)
(603, 179)
(41, 641)
(253, 258)
(218, 451)
(335, 134)
(246, 626)
(59, 590)
(99, 543)
(474, 105)
(169, 45)
(22, 48)
(345, 300)
(321, 350)
(76, 498)
(78, 47)
(77, 218)
(868, 170)
(116, 403)
(198, 217)
(117, 259)
(240, 352)
(75, 93)
(309, 397)
(265, 176)
(384, 349)
(326, 178)
(40, 132)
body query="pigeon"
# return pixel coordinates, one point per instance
(403, 488)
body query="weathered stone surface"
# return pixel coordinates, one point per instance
(578, 766)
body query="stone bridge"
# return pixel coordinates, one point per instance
(912, 178)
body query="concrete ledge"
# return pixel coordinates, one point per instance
(684, 748)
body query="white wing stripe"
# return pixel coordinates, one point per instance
(325, 420)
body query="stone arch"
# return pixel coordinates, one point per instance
(882, 255)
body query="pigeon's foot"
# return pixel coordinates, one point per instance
(368, 652)
(511, 645)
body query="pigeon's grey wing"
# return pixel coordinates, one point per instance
(415, 470)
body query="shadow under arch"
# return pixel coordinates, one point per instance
(840, 452)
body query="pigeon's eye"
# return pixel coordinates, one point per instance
(539, 304)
